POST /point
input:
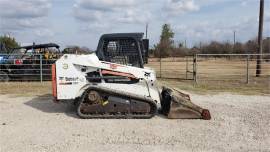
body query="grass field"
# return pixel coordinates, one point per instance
(213, 75)
(25, 88)
(208, 68)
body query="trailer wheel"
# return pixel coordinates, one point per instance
(4, 76)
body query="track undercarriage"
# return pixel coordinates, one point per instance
(99, 102)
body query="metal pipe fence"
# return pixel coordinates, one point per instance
(212, 67)
(231, 67)
(173, 68)
(26, 67)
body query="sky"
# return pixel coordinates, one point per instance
(82, 22)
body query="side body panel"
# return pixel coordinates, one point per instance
(71, 72)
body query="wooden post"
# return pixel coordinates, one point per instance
(260, 51)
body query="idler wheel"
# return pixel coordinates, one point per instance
(94, 97)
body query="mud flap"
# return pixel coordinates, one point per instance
(177, 105)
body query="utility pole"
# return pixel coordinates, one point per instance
(234, 33)
(260, 32)
(146, 30)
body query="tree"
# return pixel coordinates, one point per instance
(8, 42)
(251, 46)
(239, 48)
(165, 45)
(266, 45)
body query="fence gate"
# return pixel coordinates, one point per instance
(190, 67)
(173, 67)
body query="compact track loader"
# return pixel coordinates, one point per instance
(113, 83)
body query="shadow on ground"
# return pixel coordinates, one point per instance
(45, 104)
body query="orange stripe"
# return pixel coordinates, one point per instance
(54, 91)
(118, 73)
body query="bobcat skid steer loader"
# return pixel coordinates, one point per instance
(113, 83)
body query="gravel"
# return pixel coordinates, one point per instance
(35, 123)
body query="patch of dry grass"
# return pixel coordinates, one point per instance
(25, 88)
(214, 87)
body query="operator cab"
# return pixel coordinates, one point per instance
(123, 48)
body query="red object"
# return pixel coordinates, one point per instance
(18, 61)
(206, 114)
(118, 74)
(113, 66)
(54, 88)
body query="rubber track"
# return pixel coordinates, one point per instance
(150, 101)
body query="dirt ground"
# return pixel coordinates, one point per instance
(35, 123)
